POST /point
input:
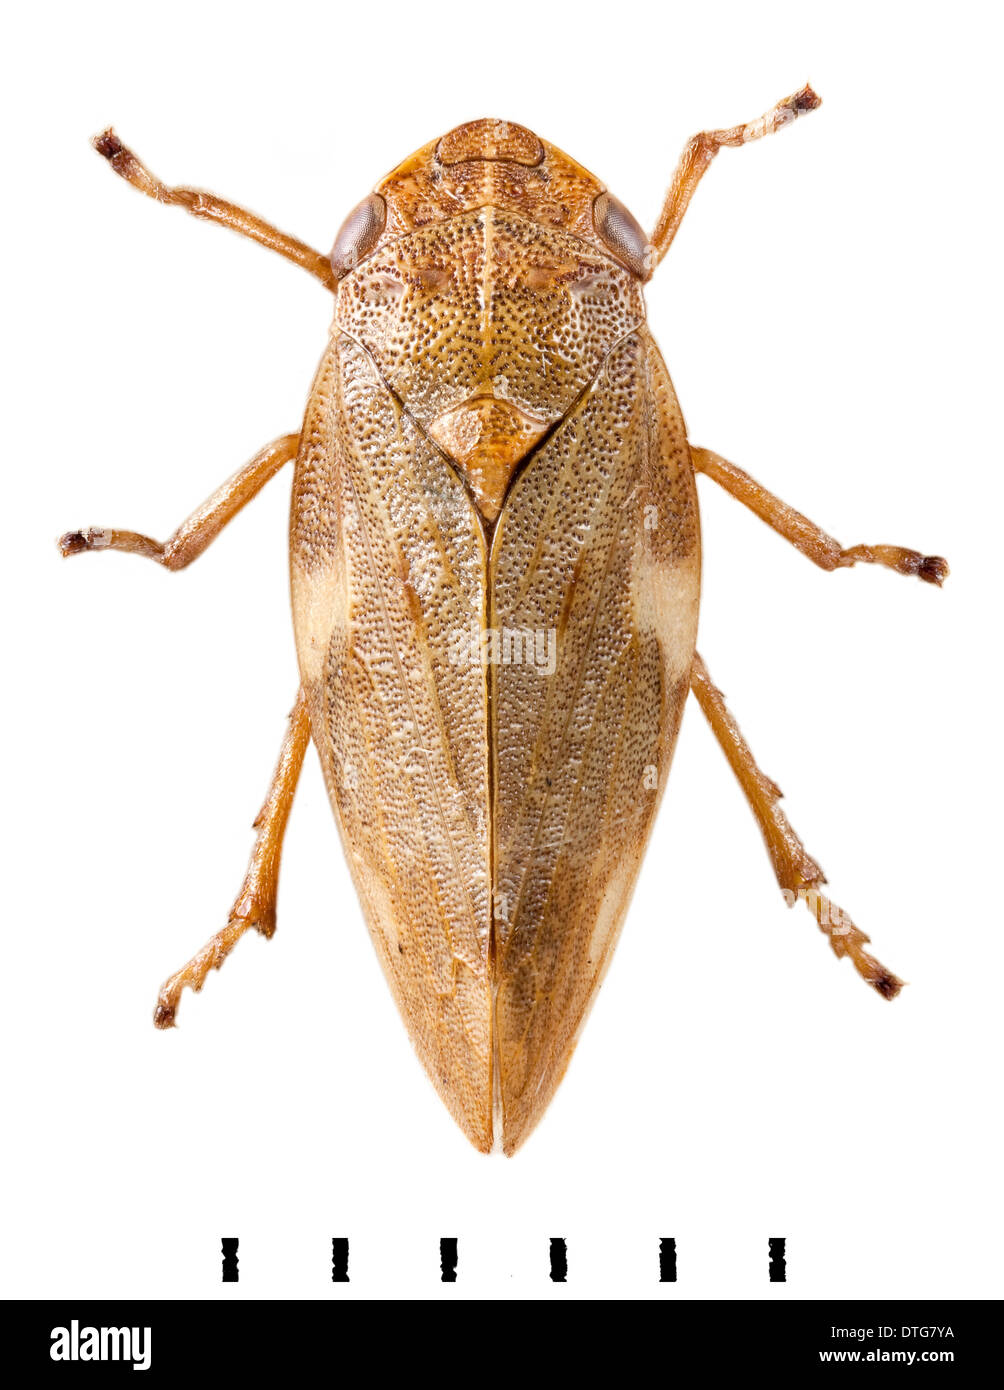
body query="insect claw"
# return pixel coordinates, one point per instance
(76, 542)
(122, 159)
(72, 543)
(163, 1015)
(107, 143)
(127, 166)
(933, 569)
(805, 100)
(888, 984)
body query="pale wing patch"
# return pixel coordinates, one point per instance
(671, 523)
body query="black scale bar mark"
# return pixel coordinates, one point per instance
(559, 1260)
(448, 1259)
(230, 1272)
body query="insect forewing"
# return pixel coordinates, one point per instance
(598, 544)
(388, 564)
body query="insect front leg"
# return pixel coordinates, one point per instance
(798, 874)
(701, 151)
(804, 535)
(213, 209)
(254, 905)
(203, 526)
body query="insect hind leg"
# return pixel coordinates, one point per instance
(798, 874)
(254, 905)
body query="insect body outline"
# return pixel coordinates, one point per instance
(493, 461)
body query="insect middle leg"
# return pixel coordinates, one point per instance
(798, 874)
(213, 209)
(254, 905)
(804, 534)
(203, 526)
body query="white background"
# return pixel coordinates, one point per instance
(831, 315)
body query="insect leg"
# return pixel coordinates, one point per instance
(203, 526)
(798, 874)
(254, 905)
(214, 209)
(701, 151)
(804, 535)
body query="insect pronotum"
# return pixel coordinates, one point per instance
(495, 559)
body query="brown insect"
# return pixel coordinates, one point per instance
(495, 556)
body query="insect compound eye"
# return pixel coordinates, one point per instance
(622, 234)
(359, 233)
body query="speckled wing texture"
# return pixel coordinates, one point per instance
(388, 564)
(599, 543)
